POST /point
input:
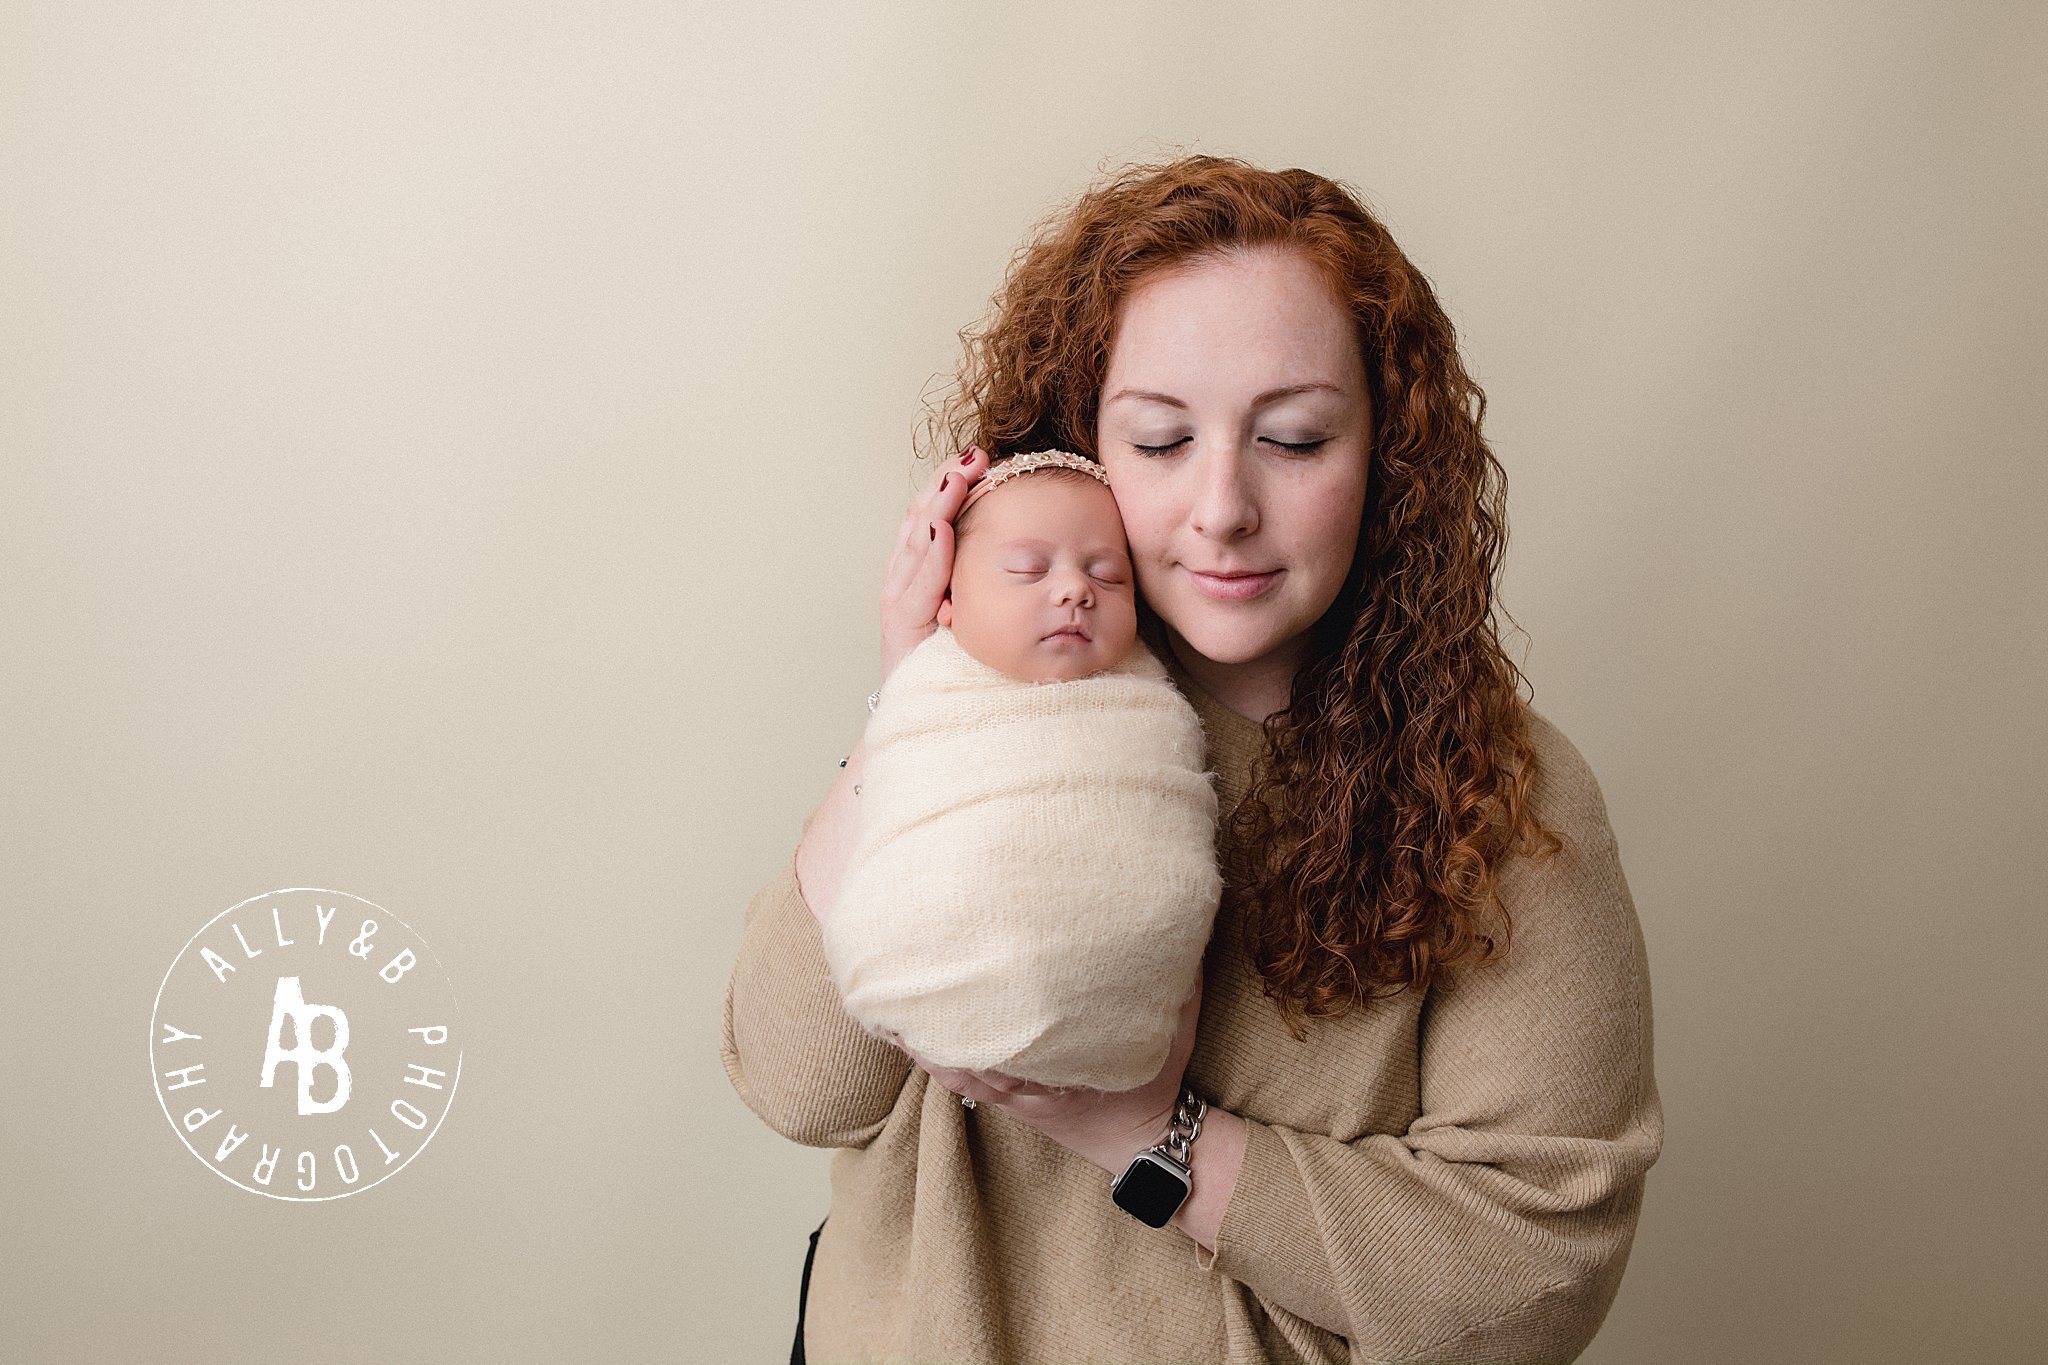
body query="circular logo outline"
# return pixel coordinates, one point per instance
(454, 1078)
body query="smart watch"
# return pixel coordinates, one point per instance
(1160, 1178)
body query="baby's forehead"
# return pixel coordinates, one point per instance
(1060, 538)
(1041, 523)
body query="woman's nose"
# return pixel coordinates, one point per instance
(1223, 507)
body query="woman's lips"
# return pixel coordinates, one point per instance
(1234, 587)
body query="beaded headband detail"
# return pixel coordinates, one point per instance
(1014, 465)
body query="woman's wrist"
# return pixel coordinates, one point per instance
(1112, 1150)
(1218, 1156)
(828, 836)
(822, 848)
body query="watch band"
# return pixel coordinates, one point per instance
(1186, 1127)
(1159, 1179)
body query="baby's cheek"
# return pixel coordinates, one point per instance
(1123, 610)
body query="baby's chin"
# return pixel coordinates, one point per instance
(1069, 663)
(1046, 663)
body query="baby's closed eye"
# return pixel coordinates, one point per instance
(1100, 575)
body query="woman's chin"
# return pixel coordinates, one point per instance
(1230, 643)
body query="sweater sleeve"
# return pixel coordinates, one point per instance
(1497, 1226)
(792, 1052)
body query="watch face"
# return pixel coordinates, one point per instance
(1150, 1189)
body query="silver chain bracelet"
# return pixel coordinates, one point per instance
(1187, 1124)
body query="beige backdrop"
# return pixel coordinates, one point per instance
(449, 454)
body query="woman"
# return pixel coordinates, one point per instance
(1423, 1034)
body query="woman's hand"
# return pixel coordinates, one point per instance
(1108, 1127)
(922, 567)
(912, 587)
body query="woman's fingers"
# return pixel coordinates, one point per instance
(992, 1086)
(917, 574)
(944, 494)
(939, 500)
(950, 1078)
(1008, 1085)
(1012, 1086)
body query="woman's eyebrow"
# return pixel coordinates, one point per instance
(1269, 396)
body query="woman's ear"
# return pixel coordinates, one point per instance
(945, 613)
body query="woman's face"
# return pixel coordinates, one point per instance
(1235, 426)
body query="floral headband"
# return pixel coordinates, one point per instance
(1014, 465)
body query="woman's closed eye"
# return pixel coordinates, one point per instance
(1298, 447)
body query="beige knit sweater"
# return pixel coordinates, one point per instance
(1448, 1178)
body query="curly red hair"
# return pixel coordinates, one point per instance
(1398, 776)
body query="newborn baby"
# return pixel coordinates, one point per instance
(1033, 876)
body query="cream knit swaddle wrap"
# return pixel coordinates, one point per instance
(1033, 877)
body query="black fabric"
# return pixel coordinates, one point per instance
(796, 1352)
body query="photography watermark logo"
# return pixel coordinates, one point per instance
(304, 1044)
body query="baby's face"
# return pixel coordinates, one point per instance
(1042, 586)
